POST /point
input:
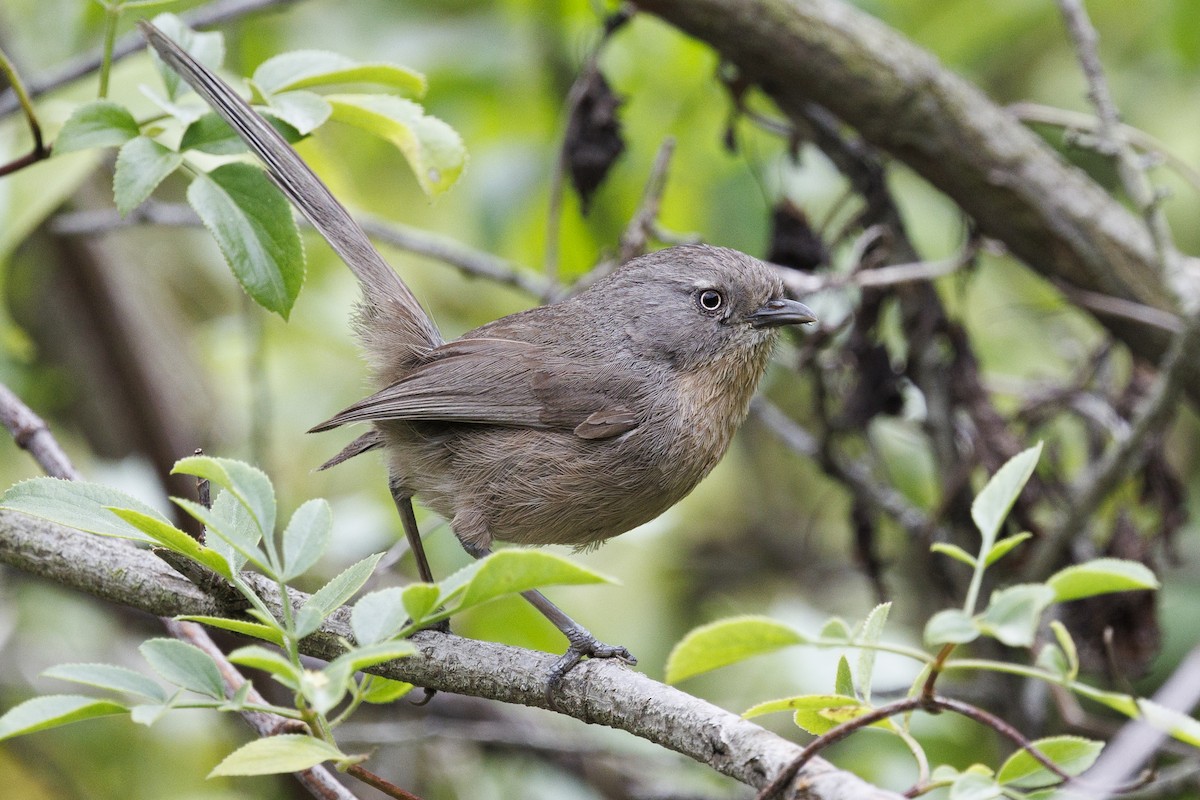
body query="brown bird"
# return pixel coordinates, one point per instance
(565, 424)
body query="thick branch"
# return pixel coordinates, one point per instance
(598, 692)
(1049, 214)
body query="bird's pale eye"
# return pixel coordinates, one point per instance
(710, 300)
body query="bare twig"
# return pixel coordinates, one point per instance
(802, 283)
(30, 433)
(39, 152)
(466, 259)
(642, 225)
(1109, 134)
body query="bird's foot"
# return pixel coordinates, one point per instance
(583, 645)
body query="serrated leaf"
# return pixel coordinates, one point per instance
(306, 538)
(230, 530)
(954, 551)
(419, 599)
(303, 111)
(996, 499)
(378, 616)
(378, 691)
(108, 676)
(149, 713)
(51, 711)
(248, 484)
(208, 48)
(1002, 548)
(1072, 754)
(433, 149)
(1014, 613)
(270, 661)
(510, 572)
(77, 504)
(951, 626)
(142, 164)
(175, 540)
(288, 752)
(253, 225)
(184, 665)
(725, 642)
(100, 123)
(210, 133)
(256, 630)
(872, 630)
(1052, 659)
(1101, 576)
(334, 594)
(306, 68)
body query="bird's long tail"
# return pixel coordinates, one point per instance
(392, 322)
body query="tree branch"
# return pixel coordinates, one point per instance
(595, 692)
(899, 98)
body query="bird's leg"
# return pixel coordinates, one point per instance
(408, 520)
(582, 643)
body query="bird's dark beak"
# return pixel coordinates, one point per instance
(781, 312)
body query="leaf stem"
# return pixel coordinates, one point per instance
(112, 16)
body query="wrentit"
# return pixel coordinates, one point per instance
(565, 424)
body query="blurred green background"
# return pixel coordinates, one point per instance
(765, 533)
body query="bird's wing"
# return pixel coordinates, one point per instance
(503, 382)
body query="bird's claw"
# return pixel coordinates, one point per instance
(583, 645)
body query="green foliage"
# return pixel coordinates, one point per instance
(246, 214)
(1013, 616)
(241, 528)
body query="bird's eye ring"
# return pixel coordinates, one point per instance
(710, 300)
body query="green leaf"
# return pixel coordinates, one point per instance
(254, 629)
(79, 505)
(843, 681)
(108, 676)
(52, 711)
(954, 551)
(248, 484)
(176, 540)
(142, 164)
(952, 626)
(872, 630)
(1072, 754)
(1001, 548)
(306, 538)
(184, 665)
(378, 616)
(288, 752)
(207, 48)
(974, 786)
(513, 571)
(100, 123)
(835, 629)
(324, 689)
(1013, 614)
(996, 499)
(727, 641)
(306, 68)
(334, 594)
(1068, 647)
(210, 133)
(302, 111)
(269, 661)
(434, 150)
(814, 713)
(1102, 576)
(255, 231)
(378, 691)
(419, 599)
(379, 653)
(1179, 725)
(230, 530)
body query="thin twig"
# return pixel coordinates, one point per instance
(641, 225)
(39, 151)
(32, 434)
(468, 260)
(1109, 135)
